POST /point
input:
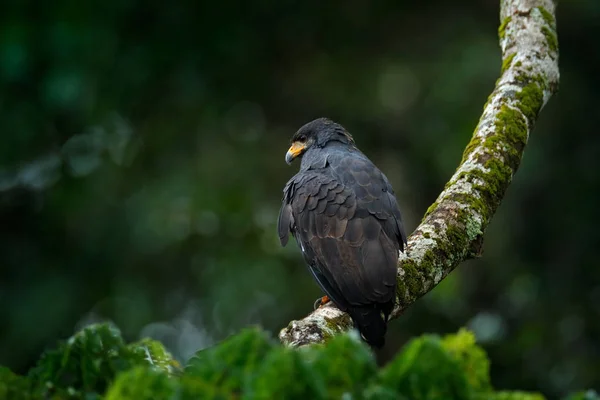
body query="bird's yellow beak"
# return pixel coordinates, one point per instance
(296, 149)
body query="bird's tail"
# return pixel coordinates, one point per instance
(371, 322)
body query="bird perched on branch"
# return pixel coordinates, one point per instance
(343, 213)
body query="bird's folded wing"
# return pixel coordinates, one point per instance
(348, 233)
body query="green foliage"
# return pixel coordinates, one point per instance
(96, 364)
(587, 395)
(90, 360)
(376, 392)
(155, 354)
(231, 363)
(509, 396)
(194, 388)
(142, 383)
(12, 386)
(502, 27)
(344, 365)
(285, 374)
(471, 358)
(141, 166)
(425, 370)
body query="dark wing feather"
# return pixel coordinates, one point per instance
(377, 196)
(347, 223)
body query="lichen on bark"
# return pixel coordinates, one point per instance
(453, 226)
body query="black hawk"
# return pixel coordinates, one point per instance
(343, 213)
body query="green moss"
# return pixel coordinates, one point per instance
(549, 30)
(462, 229)
(496, 181)
(430, 209)
(518, 64)
(411, 284)
(489, 183)
(471, 146)
(550, 38)
(491, 187)
(426, 235)
(335, 325)
(428, 262)
(473, 228)
(457, 238)
(331, 325)
(548, 17)
(411, 281)
(448, 248)
(530, 102)
(401, 295)
(490, 97)
(499, 176)
(507, 62)
(510, 124)
(475, 203)
(502, 27)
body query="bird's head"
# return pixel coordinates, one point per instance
(317, 133)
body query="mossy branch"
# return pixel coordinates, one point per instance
(452, 229)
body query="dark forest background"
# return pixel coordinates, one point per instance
(142, 162)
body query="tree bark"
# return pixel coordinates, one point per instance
(452, 229)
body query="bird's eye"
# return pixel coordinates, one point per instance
(302, 138)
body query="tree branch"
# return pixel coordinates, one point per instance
(452, 229)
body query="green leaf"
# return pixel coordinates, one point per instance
(89, 361)
(344, 364)
(231, 363)
(195, 388)
(426, 371)
(143, 383)
(377, 392)
(155, 354)
(471, 359)
(284, 374)
(12, 386)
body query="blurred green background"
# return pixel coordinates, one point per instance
(142, 162)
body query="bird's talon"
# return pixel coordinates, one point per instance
(321, 301)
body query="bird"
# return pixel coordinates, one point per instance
(343, 213)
